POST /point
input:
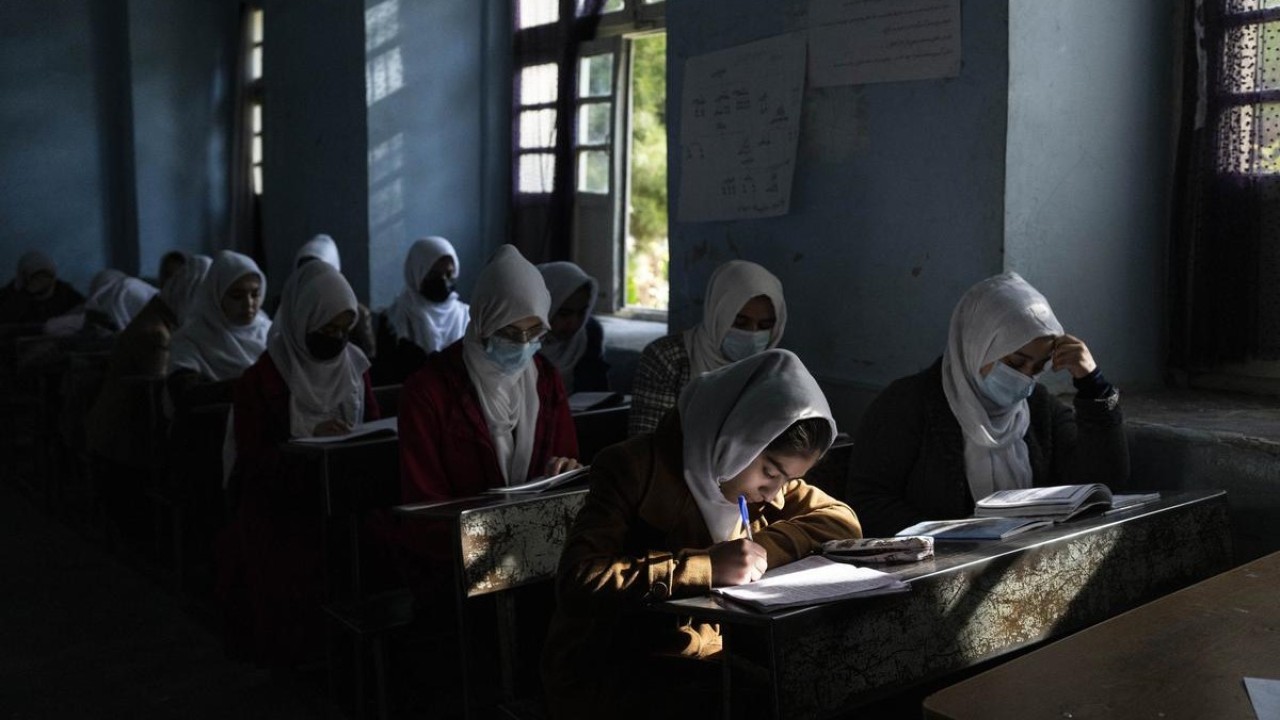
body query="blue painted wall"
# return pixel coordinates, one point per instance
(1091, 133)
(315, 160)
(438, 137)
(897, 206)
(51, 181)
(182, 58)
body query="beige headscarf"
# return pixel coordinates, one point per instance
(319, 390)
(320, 247)
(564, 279)
(430, 325)
(994, 318)
(508, 289)
(207, 343)
(119, 297)
(730, 287)
(729, 416)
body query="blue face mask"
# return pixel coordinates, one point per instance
(1006, 387)
(510, 356)
(741, 344)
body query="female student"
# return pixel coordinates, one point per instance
(36, 294)
(310, 382)
(323, 248)
(114, 300)
(575, 342)
(225, 333)
(426, 317)
(118, 428)
(488, 411)
(744, 313)
(179, 290)
(662, 521)
(976, 421)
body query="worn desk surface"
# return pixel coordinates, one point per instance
(972, 603)
(1182, 656)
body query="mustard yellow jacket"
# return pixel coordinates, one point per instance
(641, 539)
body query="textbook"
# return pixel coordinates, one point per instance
(992, 528)
(583, 401)
(386, 427)
(812, 581)
(540, 484)
(1058, 503)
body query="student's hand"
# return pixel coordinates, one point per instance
(557, 465)
(331, 428)
(1071, 354)
(737, 562)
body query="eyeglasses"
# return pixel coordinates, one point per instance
(516, 335)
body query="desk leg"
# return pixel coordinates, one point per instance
(506, 618)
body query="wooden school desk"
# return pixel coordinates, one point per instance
(1182, 656)
(973, 602)
(502, 542)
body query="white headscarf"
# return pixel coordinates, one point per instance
(729, 416)
(118, 296)
(207, 342)
(179, 290)
(509, 289)
(320, 247)
(319, 390)
(730, 287)
(431, 326)
(564, 279)
(994, 318)
(32, 262)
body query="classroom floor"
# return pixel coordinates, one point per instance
(86, 635)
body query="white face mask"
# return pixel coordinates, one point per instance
(741, 344)
(1006, 387)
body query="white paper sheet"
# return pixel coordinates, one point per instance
(740, 121)
(1265, 696)
(867, 41)
(811, 581)
(385, 426)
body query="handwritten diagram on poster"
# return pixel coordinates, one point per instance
(739, 124)
(867, 41)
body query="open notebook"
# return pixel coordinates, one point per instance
(812, 581)
(537, 485)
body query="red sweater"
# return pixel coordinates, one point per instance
(446, 451)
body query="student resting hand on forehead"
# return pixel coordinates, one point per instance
(977, 421)
(661, 521)
(223, 333)
(426, 317)
(310, 382)
(744, 313)
(575, 343)
(36, 294)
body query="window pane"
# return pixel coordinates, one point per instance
(595, 76)
(1239, 6)
(537, 128)
(647, 250)
(537, 12)
(256, 26)
(1251, 58)
(256, 153)
(538, 84)
(537, 173)
(594, 123)
(653, 2)
(255, 63)
(593, 171)
(610, 6)
(1249, 140)
(257, 179)
(257, 118)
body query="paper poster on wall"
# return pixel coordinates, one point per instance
(739, 124)
(867, 41)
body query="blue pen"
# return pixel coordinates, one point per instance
(746, 519)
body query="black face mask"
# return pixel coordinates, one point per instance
(437, 288)
(324, 347)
